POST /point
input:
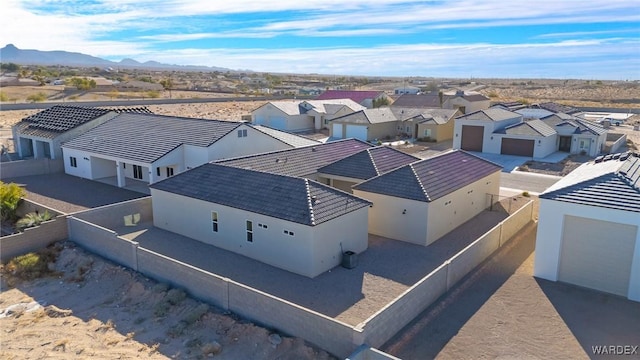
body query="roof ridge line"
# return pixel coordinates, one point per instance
(373, 161)
(309, 202)
(415, 174)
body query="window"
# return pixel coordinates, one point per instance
(214, 220)
(124, 165)
(427, 132)
(242, 133)
(74, 161)
(264, 226)
(249, 231)
(137, 172)
(158, 171)
(169, 171)
(287, 232)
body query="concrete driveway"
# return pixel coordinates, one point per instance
(526, 181)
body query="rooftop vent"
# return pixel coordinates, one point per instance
(314, 199)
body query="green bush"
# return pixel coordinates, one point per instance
(32, 265)
(10, 196)
(33, 219)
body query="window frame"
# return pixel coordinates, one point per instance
(249, 229)
(73, 161)
(214, 221)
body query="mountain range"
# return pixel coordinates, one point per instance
(11, 54)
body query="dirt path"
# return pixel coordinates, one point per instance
(96, 309)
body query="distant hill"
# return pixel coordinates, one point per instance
(10, 53)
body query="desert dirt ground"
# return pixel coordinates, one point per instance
(87, 307)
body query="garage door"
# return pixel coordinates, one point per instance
(357, 132)
(517, 147)
(597, 254)
(337, 130)
(472, 137)
(278, 123)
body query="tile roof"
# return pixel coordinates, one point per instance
(302, 161)
(146, 138)
(358, 96)
(417, 101)
(285, 137)
(434, 116)
(369, 163)
(431, 178)
(529, 128)
(368, 116)
(556, 108)
(289, 198)
(581, 126)
(611, 181)
(493, 114)
(510, 105)
(58, 119)
(296, 107)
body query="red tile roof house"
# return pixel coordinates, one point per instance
(589, 227)
(365, 98)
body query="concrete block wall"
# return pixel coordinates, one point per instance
(33, 239)
(474, 254)
(366, 352)
(620, 140)
(383, 325)
(28, 206)
(112, 216)
(515, 222)
(103, 242)
(201, 284)
(334, 336)
(31, 167)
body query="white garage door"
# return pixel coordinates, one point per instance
(278, 123)
(357, 132)
(337, 130)
(597, 254)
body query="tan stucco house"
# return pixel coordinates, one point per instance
(292, 223)
(422, 201)
(588, 228)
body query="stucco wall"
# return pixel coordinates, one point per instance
(83, 168)
(386, 217)
(101, 168)
(113, 216)
(549, 237)
(233, 146)
(271, 244)
(31, 167)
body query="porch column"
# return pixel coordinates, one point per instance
(152, 174)
(52, 153)
(36, 153)
(120, 174)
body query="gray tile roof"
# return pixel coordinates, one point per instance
(58, 119)
(434, 116)
(302, 161)
(493, 114)
(284, 197)
(285, 137)
(431, 178)
(418, 101)
(581, 126)
(331, 106)
(369, 163)
(368, 116)
(556, 108)
(612, 181)
(146, 138)
(358, 96)
(529, 128)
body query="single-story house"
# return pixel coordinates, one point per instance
(576, 135)
(422, 201)
(431, 124)
(556, 108)
(466, 102)
(475, 131)
(531, 138)
(363, 165)
(367, 124)
(406, 90)
(40, 135)
(365, 98)
(302, 115)
(149, 148)
(301, 162)
(288, 222)
(422, 101)
(588, 227)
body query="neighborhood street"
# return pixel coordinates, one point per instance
(531, 182)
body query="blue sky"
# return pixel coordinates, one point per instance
(595, 39)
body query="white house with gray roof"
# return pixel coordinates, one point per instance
(588, 228)
(423, 201)
(148, 148)
(302, 115)
(41, 135)
(292, 223)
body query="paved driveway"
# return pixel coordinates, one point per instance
(527, 181)
(510, 162)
